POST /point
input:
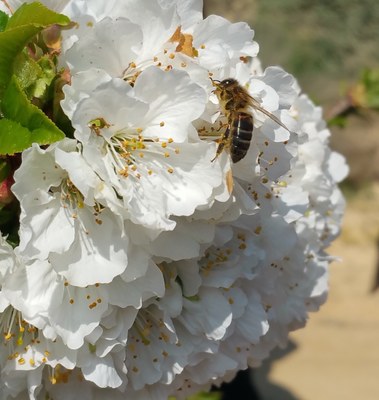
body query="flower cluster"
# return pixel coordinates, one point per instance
(144, 269)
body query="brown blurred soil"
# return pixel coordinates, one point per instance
(336, 356)
(359, 143)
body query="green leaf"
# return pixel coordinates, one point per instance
(202, 396)
(36, 14)
(14, 138)
(27, 71)
(12, 42)
(16, 107)
(370, 80)
(3, 20)
(206, 396)
(4, 169)
(34, 77)
(193, 298)
(22, 26)
(339, 120)
(44, 81)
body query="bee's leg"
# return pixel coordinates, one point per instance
(212, 132)
(222, 125)
(225, 141)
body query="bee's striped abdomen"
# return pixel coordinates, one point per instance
(241, 128)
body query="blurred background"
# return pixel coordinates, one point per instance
(332, 48)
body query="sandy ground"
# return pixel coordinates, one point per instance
(336, 356)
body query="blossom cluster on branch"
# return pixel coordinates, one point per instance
(143, 269)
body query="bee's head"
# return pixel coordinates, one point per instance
(224, 86)
(226, 83)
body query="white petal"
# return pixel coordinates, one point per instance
(38, 170)
(210, 315)
(174, 101)
(157, 23)
(337, 166)
(110, 45)
(34, 288)
(90, 259)
(102, 372)
(45, 225)
(82, 84)
(78, 315)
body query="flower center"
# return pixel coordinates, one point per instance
(20, 337)
(135, 156)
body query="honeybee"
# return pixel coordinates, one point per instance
(236, 105)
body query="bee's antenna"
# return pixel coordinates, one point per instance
(215, 82)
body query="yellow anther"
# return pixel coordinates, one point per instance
(282, 183)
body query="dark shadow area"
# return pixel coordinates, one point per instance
(241, 388)
(267, 389)
(254, 384)
(375, 285)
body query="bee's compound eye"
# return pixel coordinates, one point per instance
(227, 82)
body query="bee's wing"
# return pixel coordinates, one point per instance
(258, 107)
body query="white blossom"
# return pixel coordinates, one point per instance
(144, 269)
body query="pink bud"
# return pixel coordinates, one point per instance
(6, 195)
